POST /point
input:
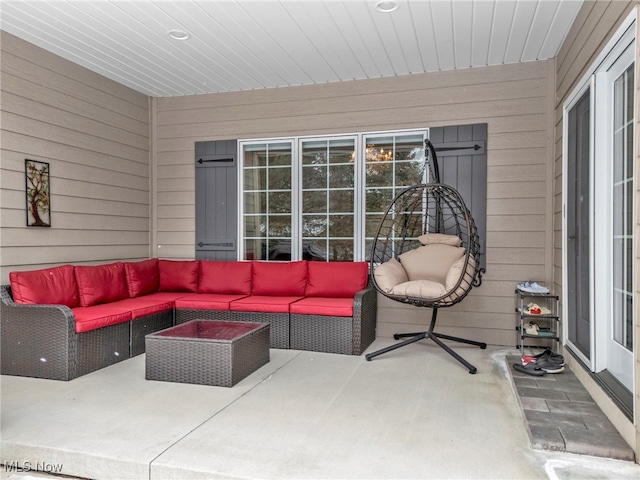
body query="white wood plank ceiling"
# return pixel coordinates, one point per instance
(245, 45)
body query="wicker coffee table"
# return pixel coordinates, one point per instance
(207, 352)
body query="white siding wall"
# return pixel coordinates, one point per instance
(592, 29)
(94, 133)
(515, 100)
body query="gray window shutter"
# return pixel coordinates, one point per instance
(462, 161)
(216, 200)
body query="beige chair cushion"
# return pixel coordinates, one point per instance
(456, 271)
(420, 288)
(389, 274)
(431, 238)
(454, 275)
(431, 262)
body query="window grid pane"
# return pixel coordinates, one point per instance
(392, 163)
(267, 217)
(622, 193)
(328, 202)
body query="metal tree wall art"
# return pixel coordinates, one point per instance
(38, 201)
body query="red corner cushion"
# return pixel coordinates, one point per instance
(206, 301)
(142, 277)
(279, 278)
(178, 275)
(336, 279)
(232, 278)
(144, 306)
(331, 307)
(50, 286)
(98, 316)
(101, 283)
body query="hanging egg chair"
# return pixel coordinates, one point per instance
(426, 253)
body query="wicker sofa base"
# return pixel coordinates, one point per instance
(41, 350)
(322, 334)
(140, 327)
(102, 347)
(184, 315)
(345, 335)
(41, 341)
(279, 325)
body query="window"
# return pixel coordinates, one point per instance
(267, 200)
(328, 199)
(306, 198)
(622, 196)
(391, 165)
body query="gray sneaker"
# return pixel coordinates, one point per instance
(531, 287)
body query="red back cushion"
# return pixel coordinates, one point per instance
(101, 283)
(279, 278)
(50, 286)
(225, 277)
(142, 277)
(178, 275)
(336, 279)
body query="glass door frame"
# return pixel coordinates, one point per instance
(600, 166)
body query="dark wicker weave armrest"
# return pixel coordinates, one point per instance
(59, 315)
(365, 307)
(37, 338)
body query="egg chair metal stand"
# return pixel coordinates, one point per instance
(409, 223)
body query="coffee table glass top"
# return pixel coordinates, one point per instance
(210, 330)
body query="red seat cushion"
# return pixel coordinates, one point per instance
(167, 296)
(333, 307)
(264, 304)
(49, 286)
(101, 283)
(206, 301)
(178, 275)
(143, 306)
(336, 279)
(279, 278)
(233, 278)
(142, 277)
(98, 316)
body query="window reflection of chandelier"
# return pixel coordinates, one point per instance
(378, 154)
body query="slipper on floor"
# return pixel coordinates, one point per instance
(529, 369)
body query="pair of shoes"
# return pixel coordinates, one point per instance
(535, 309)
(548, 354)
(548, 361)
(532, 328)
(531, 287)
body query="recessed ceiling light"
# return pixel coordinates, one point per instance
(178, 35)
(387, 6)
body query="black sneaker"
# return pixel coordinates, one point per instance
(547, 354)
(545, 363)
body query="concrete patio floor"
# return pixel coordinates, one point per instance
(412, 413)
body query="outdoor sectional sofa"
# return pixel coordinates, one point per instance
(63, 322)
